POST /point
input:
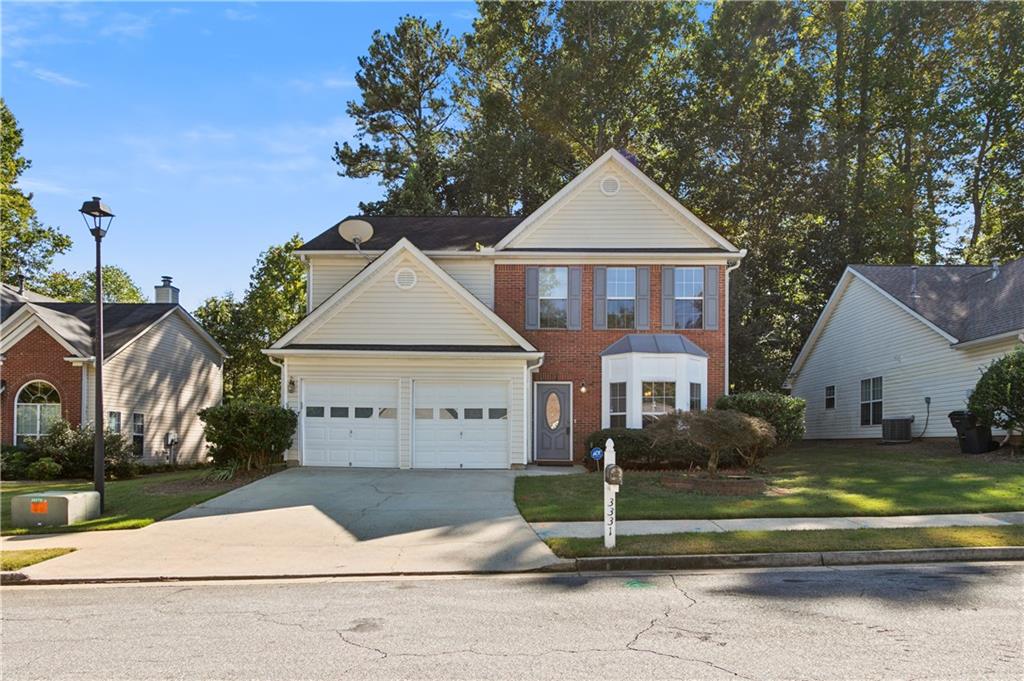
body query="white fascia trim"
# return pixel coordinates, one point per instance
(990, 339)
(630, 169)
(27, 327)
(298, 352)
(829, 309)
(91, 359)
(367, 253)
(318, 317)
(638, 258)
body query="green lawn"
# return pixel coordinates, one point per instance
(130, 503)
(691, 543)
(17, 559)
(814, 480)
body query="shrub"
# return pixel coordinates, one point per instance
(998, 398)
(43, 469)
(636, 450)
(249, 434)
(72, 448)
(785, 413)
(721, 433)
(14, 461)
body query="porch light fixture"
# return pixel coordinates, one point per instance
(97, 217)
(583, 388)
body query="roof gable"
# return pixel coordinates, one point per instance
(613, 205)
(372, 309)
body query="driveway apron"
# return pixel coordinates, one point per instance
(310, 521)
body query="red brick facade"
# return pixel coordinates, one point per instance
(38, 357)
(576, 355)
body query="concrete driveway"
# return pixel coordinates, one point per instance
(315, 521)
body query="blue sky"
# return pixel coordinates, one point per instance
(207, 127)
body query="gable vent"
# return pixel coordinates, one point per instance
(405, 278)
(610, 185)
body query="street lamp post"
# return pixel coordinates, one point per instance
(94, 213)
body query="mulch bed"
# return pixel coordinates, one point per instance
(726, 486)
(201, 484)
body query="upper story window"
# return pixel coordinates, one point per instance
(830, 397)
(553, 295)
(689, 297)
(621, 297)
(871, 401)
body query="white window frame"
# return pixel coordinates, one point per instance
(38, 405)
(676, 296)
(643, 399)
(540, 313)
(879, 399)
(608, 296)
(700, 396)
(112, 417)
(831, 396)
(625, 404)
(139, 432)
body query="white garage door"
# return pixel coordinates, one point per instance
(460, 425)
(350, 424)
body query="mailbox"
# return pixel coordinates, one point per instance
(613, 475)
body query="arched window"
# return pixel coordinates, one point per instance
(36, 409)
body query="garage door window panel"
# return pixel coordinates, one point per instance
(497, 414)
(473, 414)
(339, 412)
(364, 412)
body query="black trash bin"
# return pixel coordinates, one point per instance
(973, 438)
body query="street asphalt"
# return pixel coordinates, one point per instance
(943, 621)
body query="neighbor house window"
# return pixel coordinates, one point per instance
(695, 396)
(36, 409)
(114, 421)
(621, 297)
(139, 434)
(659, 397)
(553, 293)
(871, 401)
(830, 397)
(689, 297)
(617, 405)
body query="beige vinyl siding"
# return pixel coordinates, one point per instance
(633, 218)
(330, 273)
(429, 313)
(406, 371)
(168, 375)
(868, 335)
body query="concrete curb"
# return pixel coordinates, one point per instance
(809, 559)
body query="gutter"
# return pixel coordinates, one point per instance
(394, 353)
(1006, 335)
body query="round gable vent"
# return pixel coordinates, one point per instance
(405, 278)
(610, 185)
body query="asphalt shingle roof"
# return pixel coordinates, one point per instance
(965, 301)
(74, 321)
(427, 233)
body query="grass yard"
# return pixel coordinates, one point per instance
(130, 504)
(691, 543)
(17, 559)
(847, 479)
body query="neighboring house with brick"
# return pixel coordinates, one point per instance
(493, 342)
(892, 337)
(161, 368)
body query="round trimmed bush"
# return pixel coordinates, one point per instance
(43, 469)
(785, 413)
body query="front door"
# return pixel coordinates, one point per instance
(553, 422)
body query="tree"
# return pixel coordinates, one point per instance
(998, 398)
(403, 118)
(28, 247)
(118, 286)
(274, 302)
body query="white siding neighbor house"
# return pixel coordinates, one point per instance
(906, 341)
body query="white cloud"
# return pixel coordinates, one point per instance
(37, 186)
(48, 76)
(125, 25)
(232, 14)
(329, 81)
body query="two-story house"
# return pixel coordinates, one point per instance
(493, 342)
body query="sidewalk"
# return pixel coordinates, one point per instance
(624, 527)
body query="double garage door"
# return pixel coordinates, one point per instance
(454, 425)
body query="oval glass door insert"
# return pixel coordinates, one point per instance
(553, 411)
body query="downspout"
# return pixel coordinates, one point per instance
(284, 379)
(730, 268)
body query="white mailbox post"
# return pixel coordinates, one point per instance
(612, 478)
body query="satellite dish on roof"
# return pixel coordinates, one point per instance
(355, 231)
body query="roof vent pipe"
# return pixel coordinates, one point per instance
(913, 285)
(994, 272)
(165, 293)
